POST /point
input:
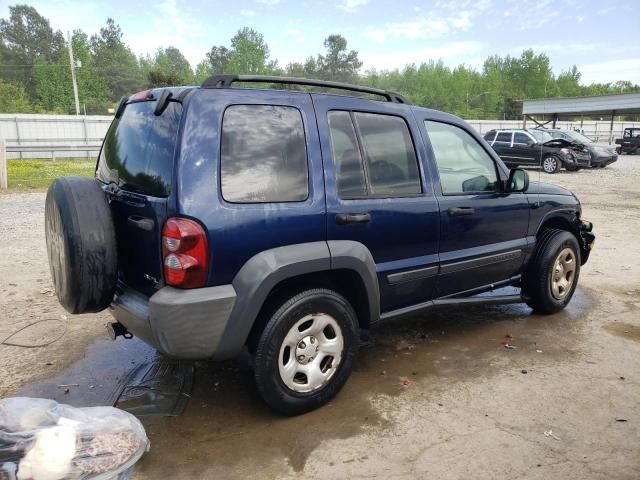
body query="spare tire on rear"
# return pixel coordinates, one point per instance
(81, 244)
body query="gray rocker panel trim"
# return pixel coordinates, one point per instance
(262, 272)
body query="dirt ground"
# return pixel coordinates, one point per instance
(564, 404)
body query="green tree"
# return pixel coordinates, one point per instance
(115, 62)
(169, 67)
(14, 99)
(26, 37)
(54, 91)
(338, 63)
(249, 54)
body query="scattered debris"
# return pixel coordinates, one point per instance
(68, 385)
(383, 372)
(523, 371)
(622, 378)
(415, 372)
(538, 351)
(621, 419)
(405, 382)
(507, 343)
(549, 433)
(404, 345)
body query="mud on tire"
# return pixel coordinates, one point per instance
(81, 244)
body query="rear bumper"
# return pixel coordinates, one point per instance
(187, 324)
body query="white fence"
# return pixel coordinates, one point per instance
(59, 132)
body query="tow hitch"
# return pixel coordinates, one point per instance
(116, 329)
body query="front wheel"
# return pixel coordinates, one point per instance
(551, 164)
(552, 275)
(306, 351)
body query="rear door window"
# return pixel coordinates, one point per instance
(263, 155)
(139, 149)
(504, 137)
(373, 155)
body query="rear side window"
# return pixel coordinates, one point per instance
(139, 149)
(263, 155)
(504, 137)
(489, 136)
(373, 157)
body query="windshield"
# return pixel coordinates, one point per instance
(578, 137)
(541, 137)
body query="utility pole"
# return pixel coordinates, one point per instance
(73, 74)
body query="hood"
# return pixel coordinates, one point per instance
(561, 143)
(547, 189)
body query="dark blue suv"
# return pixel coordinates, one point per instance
(289, 223)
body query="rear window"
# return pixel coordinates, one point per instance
(263, 155)
(139, 148)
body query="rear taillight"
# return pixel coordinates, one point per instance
(185, 253)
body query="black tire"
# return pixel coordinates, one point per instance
(551, 164)
(537, 279)
(81, 244)
(270, 384)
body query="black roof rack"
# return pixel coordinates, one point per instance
(225, 81)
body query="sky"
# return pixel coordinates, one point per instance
(601, 38)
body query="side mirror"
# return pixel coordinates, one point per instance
(518, 180)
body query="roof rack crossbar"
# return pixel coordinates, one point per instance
(225, 81)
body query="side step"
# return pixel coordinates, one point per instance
(488, 300)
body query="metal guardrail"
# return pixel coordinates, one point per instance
(52, 149)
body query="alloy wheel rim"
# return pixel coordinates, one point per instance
(563, 274)
(310, 353)
(549, 164)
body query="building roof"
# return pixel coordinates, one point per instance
(621, 104)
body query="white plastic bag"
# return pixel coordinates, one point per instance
(43, 440)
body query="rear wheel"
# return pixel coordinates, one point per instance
(551, 164)
(552, 275)
(306, 351)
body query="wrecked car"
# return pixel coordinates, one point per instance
(288, 223)
(601, 154)
(536, 148)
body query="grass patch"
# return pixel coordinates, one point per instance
(27, 175)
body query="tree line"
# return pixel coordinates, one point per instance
(35, 75)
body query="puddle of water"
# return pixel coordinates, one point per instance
(624, 330)
(226, 424)
(94, 378)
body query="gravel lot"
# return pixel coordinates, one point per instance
(564, 404)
